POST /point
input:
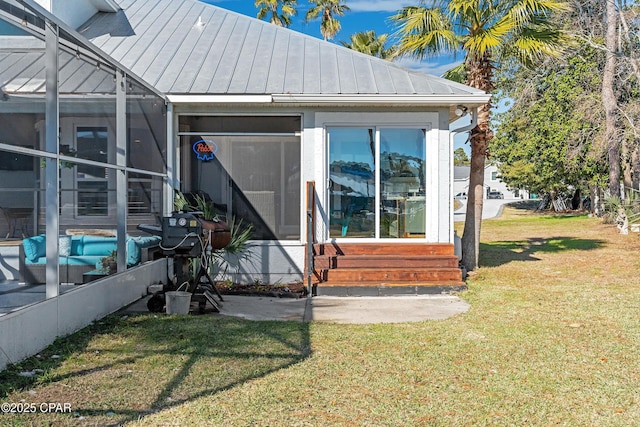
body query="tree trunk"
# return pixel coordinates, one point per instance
(480, 76)
(475, 200)
(609, 100)
(635, 165)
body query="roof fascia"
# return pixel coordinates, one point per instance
(220, 99)
(381, 99)
(474, 100)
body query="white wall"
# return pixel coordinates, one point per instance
(497, 185)
(268, 262)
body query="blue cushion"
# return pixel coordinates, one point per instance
(76, 245)
(88, 250)
(135, 245)
(133, 252)
(34, 248)
(97, 245)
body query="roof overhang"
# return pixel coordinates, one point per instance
(445, 101)
(377, 99)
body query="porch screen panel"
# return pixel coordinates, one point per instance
(255, 179)
(352, 182)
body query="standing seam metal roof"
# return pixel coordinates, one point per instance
(189, 47)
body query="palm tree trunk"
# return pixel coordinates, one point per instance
(481, 77)
(475, 200)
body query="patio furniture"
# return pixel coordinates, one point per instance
(84, 254)
(16, 220)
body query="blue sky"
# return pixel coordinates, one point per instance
(364, 15)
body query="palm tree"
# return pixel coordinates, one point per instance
(485, 32)
(281, 11)
(367, 42)
(329, 25)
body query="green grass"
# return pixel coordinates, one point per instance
(552, 338)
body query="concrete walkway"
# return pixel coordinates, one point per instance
(491, 208)
(353, 310)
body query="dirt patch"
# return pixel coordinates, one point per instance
(290, 290)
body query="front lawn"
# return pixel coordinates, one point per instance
(552, 338)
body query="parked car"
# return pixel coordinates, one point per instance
(495, 195)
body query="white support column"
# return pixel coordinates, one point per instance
(173, 145)
(121, 174)
(52, 169)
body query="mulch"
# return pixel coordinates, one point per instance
(290, 290)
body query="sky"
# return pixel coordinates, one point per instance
(364, 15)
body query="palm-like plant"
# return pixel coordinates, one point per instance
(239, 248)
(485, 32)
(327, 10)
(281, 11)
(367, 42)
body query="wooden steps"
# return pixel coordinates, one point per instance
(386, 268)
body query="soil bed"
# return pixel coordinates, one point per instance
(290, 290)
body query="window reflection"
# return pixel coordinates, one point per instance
(352, 182)
(401, 194)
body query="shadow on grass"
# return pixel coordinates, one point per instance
(527, 205)
(158, 362)
(498, 253)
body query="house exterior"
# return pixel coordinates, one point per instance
(492, 183)
(108, 106)
(237, 110)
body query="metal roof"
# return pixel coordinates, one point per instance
(186, 47)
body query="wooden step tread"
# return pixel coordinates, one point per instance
(384, 248)
(399, 269)
(385, 261)
(387, 256)
(387, 275)
(391, 283)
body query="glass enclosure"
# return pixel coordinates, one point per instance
(248, 167)
(390, 204)
(107, 124)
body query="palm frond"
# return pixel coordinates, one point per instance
(423, 32)
(524, 10)
(457, 74)
(180, 202)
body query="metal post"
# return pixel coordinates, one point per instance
(52, 168)
(310, 233)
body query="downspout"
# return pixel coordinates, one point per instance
(452, 135)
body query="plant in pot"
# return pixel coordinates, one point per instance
(110, 262)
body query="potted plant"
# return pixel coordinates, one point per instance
(110, 262)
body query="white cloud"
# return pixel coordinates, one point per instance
(433, 67)
(379, 5)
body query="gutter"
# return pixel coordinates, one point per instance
(452, 135)
(383, 99)
(471, 100)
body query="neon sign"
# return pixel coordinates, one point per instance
(205, 149)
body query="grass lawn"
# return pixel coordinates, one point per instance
(552, 338)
